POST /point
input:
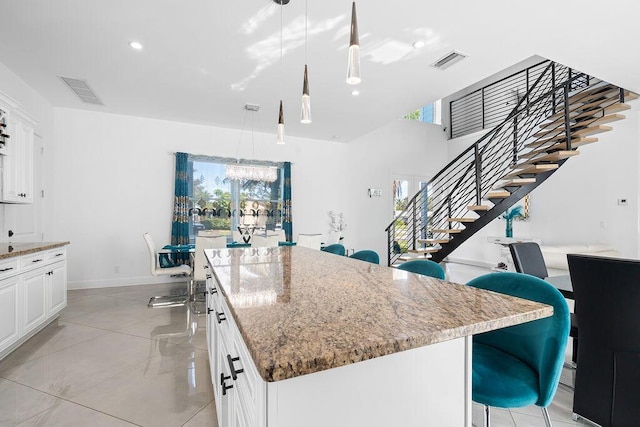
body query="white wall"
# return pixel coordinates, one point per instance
(403, 147)
(578, 203)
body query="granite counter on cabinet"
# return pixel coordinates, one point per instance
(302, 312)
(9, 250)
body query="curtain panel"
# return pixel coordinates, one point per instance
(287, 220)
(180, 223)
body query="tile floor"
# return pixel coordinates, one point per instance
(109, 360)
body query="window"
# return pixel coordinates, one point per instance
(221, 204)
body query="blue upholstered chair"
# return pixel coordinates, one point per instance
(426, 267)
(520, 365)
(336, 248)
(366, 255)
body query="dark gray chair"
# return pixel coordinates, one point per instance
(607, 292)
(528, 259)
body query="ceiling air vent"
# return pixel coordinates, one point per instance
(82, 90)
(448, 60)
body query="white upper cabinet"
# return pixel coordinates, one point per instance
(16, 154)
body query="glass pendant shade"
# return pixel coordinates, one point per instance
(305, 116)
(280, 130)
(353, 65)
(251, 173)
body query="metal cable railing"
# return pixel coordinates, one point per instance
(427, 219)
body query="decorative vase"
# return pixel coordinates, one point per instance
(509, 227)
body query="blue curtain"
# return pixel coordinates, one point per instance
(287, 220)
(180, 224)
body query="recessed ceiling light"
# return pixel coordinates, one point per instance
(355, 92)
(418, 44)
(135, 45)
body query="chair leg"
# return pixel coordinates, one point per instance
(486, 416)
(547, 419)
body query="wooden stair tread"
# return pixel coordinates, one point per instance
(556, 145)
(478, 208)
(517, 182)
(409, 258)
(553, 157)
(580, 108)
(531, 170)
(588, 122)
(448, 231)
(582, 132)
(433, 241)
(588, 96)
(600, 112)
(423, 251)
(497, 194)
(462, 219)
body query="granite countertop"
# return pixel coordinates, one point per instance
(9, 250)
(302, 311)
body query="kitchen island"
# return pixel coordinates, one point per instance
(299, 337)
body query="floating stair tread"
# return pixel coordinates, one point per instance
(497, 194)
(587, 96)
(592, 130)
(517, 182)
(448, 231)
(409, 258)
(554, 157)
(588, 122)
(433, 241)
(531, 170)
(462, 219)
(555, 145)
(597, 113)
(581, 108)
(423, 251)
(478, 208)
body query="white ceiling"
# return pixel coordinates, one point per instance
(204, 59)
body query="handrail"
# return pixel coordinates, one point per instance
(466, 179)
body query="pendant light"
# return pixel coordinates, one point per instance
(280, 129)
(353, 66)
(305, 116)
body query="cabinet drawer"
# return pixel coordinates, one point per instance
(8, 267)
(28, 262)
(56, 254)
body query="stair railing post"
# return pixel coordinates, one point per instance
(553, 85)
(449, 211)
(515, 140)
(478, 162)
(415, 224)
(482, 106)
(567, 124)
(621, 95)
(390, 239)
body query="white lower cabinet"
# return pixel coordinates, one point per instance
(33, 290)
(9, 300)
(425, 386)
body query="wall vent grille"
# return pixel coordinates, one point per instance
(82, 90)
(448, 60)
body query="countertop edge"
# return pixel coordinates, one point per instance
(14, 250)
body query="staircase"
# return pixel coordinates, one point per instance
(561, 112)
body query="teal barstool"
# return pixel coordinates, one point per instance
(366, 255)
(425, 267)
(520, 365)
(336, 248)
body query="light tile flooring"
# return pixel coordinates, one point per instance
(109, 360)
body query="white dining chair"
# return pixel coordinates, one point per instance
(268, 241)
(282, 236)
(209, 233)
(156, 270)
(312, 241)
(200, 267)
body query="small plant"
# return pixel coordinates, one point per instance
(337, 223)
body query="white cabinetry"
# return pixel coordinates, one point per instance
(17, 163)
(33, 290)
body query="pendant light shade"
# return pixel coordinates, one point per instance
(280, 130)
(353, 66)
(305, 116)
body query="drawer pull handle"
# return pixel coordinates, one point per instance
(59, 254)
(209, 310)
(214, 290)
(220, 316)
(234, 372)
(6, 269)
(36, 260)
(223, 383)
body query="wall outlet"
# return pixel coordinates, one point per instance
(623, 202)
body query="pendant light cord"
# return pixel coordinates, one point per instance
(305, 31)
(281, 67)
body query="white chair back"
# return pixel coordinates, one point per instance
(312, 241)
(200, 266)
(153, 253)
(209, 233)
(282, 237)
(237, 236)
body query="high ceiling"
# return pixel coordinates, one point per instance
(202, 60)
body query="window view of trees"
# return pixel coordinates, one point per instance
(223, 204)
